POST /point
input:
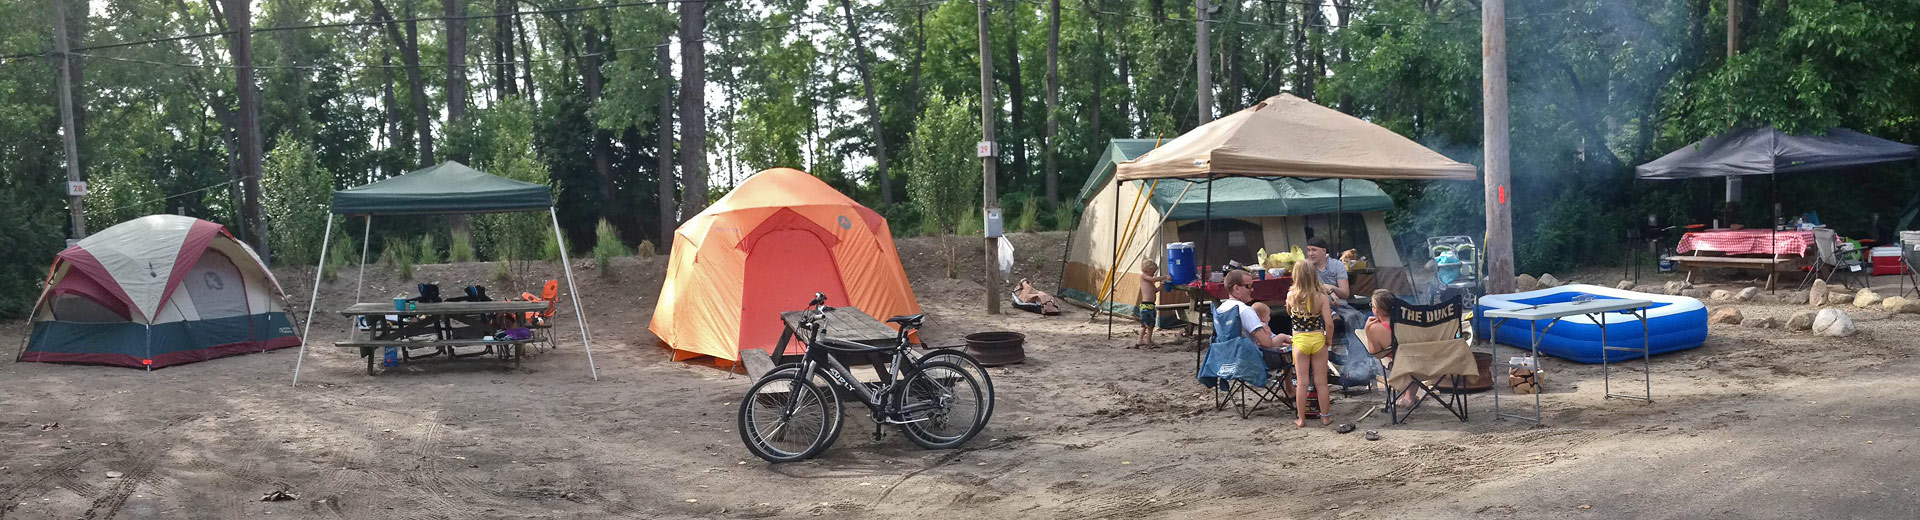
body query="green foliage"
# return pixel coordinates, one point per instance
(296, 196)
(971, 224)
(941, 171)
(1029, 220)
(338, 255)
(460, 248)
(607, 247)
(397, 254)
(427, 254)
(509, 152)
(1063, 218)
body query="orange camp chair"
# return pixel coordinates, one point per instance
(542, 321)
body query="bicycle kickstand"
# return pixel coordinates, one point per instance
(879, 430)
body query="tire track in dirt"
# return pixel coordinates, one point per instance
(1452, 467)
(65, 469)
(139, 470)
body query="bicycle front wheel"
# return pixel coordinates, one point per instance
(786, 419)
(947, 404)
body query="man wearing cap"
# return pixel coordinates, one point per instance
(1356, 369)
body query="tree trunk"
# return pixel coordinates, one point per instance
(919, 55)
(409, 45)
(1053, 103)
(1099, 66)
(389, 104)
(873, 106)
(503, 49)
(526, 62)
(663, 152)
(1123, 51)
(457, 96)
(240, 18)
(602, 145)
(693, 105)
(1017, 98)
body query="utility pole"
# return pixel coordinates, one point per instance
(989, 162)
(1493, 70)
(1733, 49)
(71, 141)
(1204, 60)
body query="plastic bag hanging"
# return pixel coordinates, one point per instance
(1006, 258)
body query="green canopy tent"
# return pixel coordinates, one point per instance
(446, 188)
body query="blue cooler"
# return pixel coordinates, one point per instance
(1180, 267)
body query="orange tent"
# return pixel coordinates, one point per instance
(766, 248)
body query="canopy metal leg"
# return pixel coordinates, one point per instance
(312, 298)
(574, 291)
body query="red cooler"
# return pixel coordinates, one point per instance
(1886, 260)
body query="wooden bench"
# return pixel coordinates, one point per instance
(1773, 266)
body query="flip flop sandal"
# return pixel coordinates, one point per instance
(1345, 428)
(1373, 435)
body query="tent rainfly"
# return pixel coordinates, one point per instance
(449, 187)
(766, 248)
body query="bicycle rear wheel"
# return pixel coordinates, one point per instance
(967, 362)
(774, 434)
(952, 397)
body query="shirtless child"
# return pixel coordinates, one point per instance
(1150, 279)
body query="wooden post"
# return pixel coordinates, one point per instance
(989, 198)
(1498, 251)
(1203, 61)
(68, 139)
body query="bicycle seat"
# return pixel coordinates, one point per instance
(910, 321)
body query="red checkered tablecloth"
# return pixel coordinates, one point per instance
(1749, 242)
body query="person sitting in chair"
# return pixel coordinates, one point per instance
(1240, 301)
(1379, 335)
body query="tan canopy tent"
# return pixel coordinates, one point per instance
(1283, 136)
(1286, 136)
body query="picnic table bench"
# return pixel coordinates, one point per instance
(1773, 266)
(437, 325)
(847, 323)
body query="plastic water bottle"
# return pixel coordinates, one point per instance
(391, 358)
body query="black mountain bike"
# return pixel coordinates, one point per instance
(939, 400)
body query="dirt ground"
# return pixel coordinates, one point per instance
(1757, 423)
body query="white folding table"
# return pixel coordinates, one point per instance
(1596, 310)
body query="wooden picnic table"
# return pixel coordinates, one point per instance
(846, 323)
(437, 325)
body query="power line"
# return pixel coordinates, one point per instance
(165, 198)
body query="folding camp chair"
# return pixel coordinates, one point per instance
(1279, 387)
(542, 321)
(1909, 260)
(1829, 259)
(1418, 327)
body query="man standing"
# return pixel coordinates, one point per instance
(1356, 368)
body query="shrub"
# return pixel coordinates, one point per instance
(969, 223)
(606, 247)
(397, 254)
(427, 253)
(1063, 218)
(460, 248)
(645, 249)
(1029, 220)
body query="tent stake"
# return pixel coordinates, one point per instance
(312, 298)
(574, 291)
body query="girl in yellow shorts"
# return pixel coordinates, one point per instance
(1309, 308)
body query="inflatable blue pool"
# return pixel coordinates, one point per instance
(1673, 323)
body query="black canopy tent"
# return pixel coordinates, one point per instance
(1767, 151)
(449, 187)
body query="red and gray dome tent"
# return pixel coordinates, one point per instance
(157, 291)
(446, 188)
